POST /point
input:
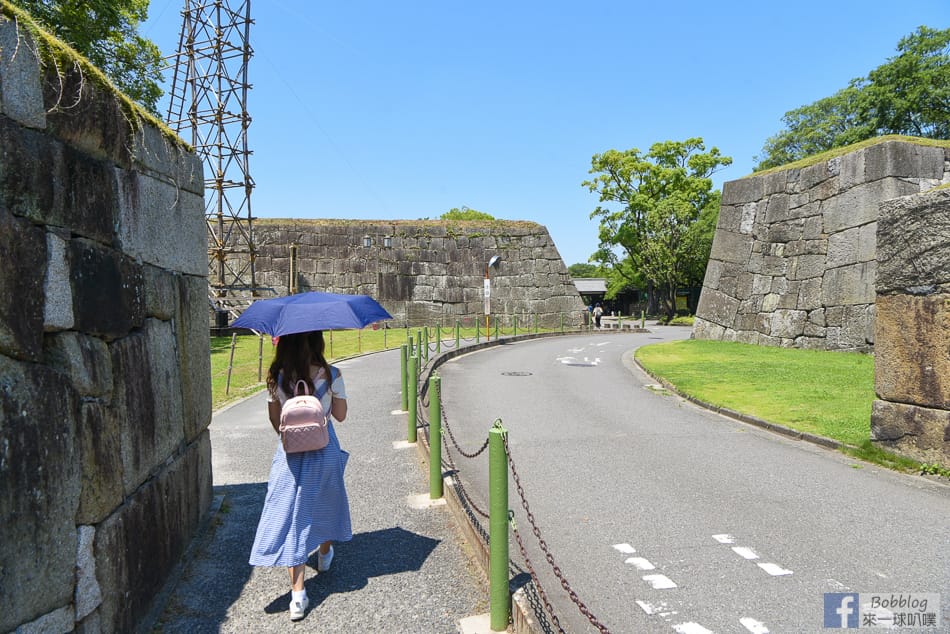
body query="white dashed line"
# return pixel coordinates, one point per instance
(754, 626)
(660, 609)
(745, 553)
(626, 549)
(725, 539)
(659, 582)
(640, 563)
(774, 569)
(691, 628)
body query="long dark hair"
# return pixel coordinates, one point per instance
(292, 360)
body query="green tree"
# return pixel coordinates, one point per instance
(585, 270)
(106, 33)
(909, 94)
(650, 204)
(464, 213)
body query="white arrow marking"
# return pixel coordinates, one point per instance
(660, 609)
(746, 553)
(725, 539)
(626, 549)
(691, 628)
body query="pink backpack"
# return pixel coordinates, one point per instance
(304, 425)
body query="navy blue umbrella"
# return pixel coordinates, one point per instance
(311, 311)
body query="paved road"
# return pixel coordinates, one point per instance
(665, 517)
(405, 569)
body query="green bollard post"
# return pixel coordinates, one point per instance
(435, 437)
(643, 320)
(536, 323)
(413, 396)
(425, 335)
(404, 366)
(477, 330)
(411, 347)
(499, 597)
(515, 326)
(438, 338)
(496, 327)
(620, 323)
(561, 316)
(458, 333)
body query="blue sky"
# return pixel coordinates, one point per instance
(403, 110)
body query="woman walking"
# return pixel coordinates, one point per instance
(306, 507)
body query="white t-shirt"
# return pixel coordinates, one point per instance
(317, 373)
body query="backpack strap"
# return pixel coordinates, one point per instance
(322, 390)
(306, 389)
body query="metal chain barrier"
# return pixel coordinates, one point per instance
(547, 553)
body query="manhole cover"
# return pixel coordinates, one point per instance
(516, 373)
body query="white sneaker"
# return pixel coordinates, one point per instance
(298, 609)
(324, 561)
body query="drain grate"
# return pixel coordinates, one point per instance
(516, 373)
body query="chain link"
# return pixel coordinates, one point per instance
(547, 553)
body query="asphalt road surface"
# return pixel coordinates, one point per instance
(666, 517)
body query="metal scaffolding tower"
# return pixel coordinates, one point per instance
(209, 100)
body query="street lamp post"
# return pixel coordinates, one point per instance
(492, 264)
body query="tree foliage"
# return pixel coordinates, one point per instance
(583, 269)
(106, 33)
(659, 209)
(464, 213)
(909, 95)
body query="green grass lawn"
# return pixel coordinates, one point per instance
(822, 392)
(253, 355)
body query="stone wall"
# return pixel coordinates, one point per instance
(794, 259)
(104, 367)
(431, 270)
(912, 354)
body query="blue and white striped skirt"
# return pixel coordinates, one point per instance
(306, 505)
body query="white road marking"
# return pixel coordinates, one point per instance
(774, 569)
(754, 626)
(640, 563)
(575, 350)
(725, 539)
(746, 553)
(606, 343)
(691, 628)
(396, 412)
(403, 444)
(659, 582)
(626, 549)
(660, 609)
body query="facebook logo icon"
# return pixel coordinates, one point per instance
(841, 610)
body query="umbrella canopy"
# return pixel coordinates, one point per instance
(310, 311)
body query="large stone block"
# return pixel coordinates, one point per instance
(155, 151)
(909, 160)
(39, 491)
(148, 399)
(787, 323)
(161, 293)
(84, 360)
(23, 253)
(918, 432)
(729, 246)
(21, 94)
(100, 444)
(912, 337)
(744, 190)
(849, 285)
(108, 289)
(58, 309)
(94, 121)
(852, 246)
(161, 224)
(195, 363)
(913, 241)
(859, 205)
(717, 307)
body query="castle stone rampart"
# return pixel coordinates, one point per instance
(794, 259)
(423, 271)
(105, 457)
